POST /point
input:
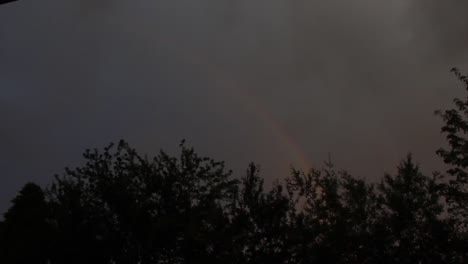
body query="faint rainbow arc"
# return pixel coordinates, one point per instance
(250, 102)
(275, 126)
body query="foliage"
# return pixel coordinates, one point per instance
(455, 129)
(25, 233)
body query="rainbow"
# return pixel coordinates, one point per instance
(278, 129)
(252, 104)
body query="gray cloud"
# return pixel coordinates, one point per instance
(359, 79)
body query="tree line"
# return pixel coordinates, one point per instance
(124, 207)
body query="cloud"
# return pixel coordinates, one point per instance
(355, 78)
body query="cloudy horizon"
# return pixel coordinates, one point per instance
(279, 83)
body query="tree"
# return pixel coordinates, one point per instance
(24, 232)
(455, 129)
(124, 208)
(411, 217)
(260, 226)
(335, 216)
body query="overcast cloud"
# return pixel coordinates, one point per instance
(241, 80)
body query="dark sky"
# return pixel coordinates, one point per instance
(275, 82)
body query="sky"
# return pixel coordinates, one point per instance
(278, 82)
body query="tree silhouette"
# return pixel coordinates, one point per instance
(24, 231)
(411, 214)
(456, 156)
(336, 217)
(127, 208)
(260, 225)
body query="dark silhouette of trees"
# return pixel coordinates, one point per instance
(125, 208)
(24, 233)
(455, 130)
(336, 220)
(122, 207)
(410, 215)
(261, 222)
